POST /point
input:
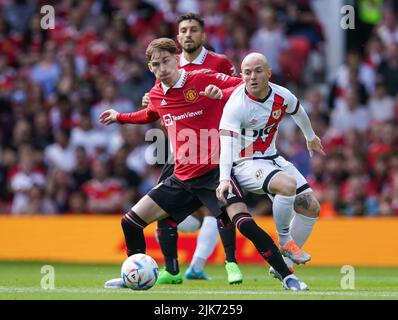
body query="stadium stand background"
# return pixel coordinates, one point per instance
(56, 158)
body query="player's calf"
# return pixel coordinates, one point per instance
(133, 229)
(261, 240)
(307, 205)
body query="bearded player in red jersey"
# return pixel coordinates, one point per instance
(179, 101)
(191, 37)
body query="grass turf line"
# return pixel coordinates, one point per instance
(21, 280)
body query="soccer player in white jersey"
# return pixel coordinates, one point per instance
(248, 130)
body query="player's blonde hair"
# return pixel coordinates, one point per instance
(160, 44)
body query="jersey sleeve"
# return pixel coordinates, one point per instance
(293, 103)
(226, 93)
(232, 116)
(147, 115)
(223, 81)
(228, 68)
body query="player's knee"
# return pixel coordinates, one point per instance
(315, 209)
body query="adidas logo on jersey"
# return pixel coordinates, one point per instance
(163, 103)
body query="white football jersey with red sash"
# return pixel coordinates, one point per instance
(256, 123)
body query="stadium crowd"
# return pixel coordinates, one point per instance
(57, 158)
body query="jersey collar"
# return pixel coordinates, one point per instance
(198, 60)
(256, 99)
(179, 84)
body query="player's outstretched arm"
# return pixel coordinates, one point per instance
(143, 116)
(227, 149)
(313, 141)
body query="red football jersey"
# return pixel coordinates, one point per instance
(209, 60)
(191, 120)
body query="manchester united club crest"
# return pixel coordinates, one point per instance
(190, 95)
(276, 114)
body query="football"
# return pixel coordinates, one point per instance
(139, 272)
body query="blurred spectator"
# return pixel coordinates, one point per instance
(104, 193)
(85, 135)
(109, 99)
(47, 72)
(138, 81)
(23, 177)
(129, 177)
(77, 203)
(349, 114)
(388, 69)
(81, 172)
(42, 131)
(7, 75)
(59, 188)
(388, 30)
(353, 74)
(37, 202)
(61, 153)
(18, 14)
(141, 16)
(214, 26)
(269, 40)
(61, 112)
(239, 46)
(22, 134)
(35, 36)
(381, 105)
(383, 142)
(302, 22)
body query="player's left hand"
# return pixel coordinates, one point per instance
(145, 100)
(212, 92)
(315, 145)
(225, 185)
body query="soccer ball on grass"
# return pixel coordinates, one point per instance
(139, 272)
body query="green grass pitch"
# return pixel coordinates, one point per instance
(22, 280)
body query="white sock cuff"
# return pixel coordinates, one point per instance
(285, 199)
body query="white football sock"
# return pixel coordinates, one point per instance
(282, 208)
(301, 228)
(207, 241)
(189, 224)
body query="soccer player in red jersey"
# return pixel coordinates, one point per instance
(179, 101)
(191, 37)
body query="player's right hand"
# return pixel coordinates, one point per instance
(145, 100)
(212, 92)
(108, 116)
(225, 185)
